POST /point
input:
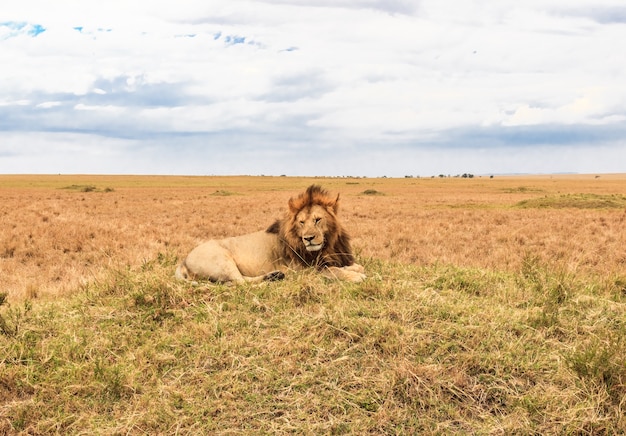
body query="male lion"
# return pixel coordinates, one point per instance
(308, 236)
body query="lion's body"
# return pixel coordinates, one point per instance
(234, 259)
(309, 236)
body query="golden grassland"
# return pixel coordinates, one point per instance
(493, 306)
(59, 231)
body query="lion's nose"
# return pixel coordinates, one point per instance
(308, 238)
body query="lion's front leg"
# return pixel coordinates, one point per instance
(351, 273)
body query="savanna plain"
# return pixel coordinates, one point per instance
(492, 306)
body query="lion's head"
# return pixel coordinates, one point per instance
(311, 233)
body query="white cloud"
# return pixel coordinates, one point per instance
(276, 77)
(48, 104)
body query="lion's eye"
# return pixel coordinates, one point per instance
(301, 223)
(317, 220)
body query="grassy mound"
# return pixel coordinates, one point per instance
(427, 350)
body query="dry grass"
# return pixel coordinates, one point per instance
(53, 238)
(479, 316)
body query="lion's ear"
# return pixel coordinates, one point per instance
(293, 206)
(335, 205)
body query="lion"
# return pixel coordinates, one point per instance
(309, 236)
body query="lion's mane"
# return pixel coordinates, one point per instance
(336, 250)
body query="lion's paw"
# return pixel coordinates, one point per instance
(355, 277)
(274, 276)
(356, 268)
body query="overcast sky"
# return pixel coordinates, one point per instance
(313, 87)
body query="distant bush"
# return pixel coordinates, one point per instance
(81, 188)
(372, 192)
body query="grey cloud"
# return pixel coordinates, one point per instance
(407, 7)
(135, 91)
(265, 130)
(557, 135)
(289, 88)
(609, 15)
(402, 7)
(64, 118)
(600, 14)
(127, 93)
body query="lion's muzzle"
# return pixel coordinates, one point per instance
(310, 244)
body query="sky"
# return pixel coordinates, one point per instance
(312, 87)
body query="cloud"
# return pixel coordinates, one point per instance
(600, 14)
(12, 29)
(389, 6)
(561, 136)
(291, 87)
(279, 86)
(137, 91)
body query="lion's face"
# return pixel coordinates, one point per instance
(312, 226)
(311, 234)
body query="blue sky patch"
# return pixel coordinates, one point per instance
(36, 29)
(11, 29)
(234, 39)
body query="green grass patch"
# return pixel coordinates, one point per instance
(86, 188)
(576, 201)
(521, 190)
(428, 350)
(223, 193)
